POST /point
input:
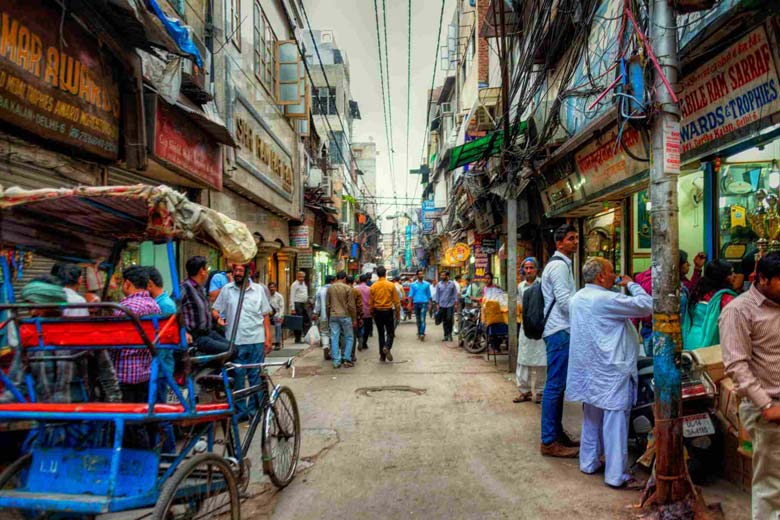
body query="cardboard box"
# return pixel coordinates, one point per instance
(728, 401)
(711, 359)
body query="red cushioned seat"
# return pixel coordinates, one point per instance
(117, 408)
(115, 332)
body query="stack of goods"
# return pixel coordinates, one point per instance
(738, 447)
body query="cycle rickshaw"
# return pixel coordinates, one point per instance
(76, 463)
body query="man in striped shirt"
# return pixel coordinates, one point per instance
(750, 339)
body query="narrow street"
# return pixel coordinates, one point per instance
(443, 440)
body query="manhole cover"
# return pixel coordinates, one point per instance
(370, 390)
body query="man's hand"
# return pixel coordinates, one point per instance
(771, 414)
(699, 260)
(354, 324)
(625, 280)
(188, 336)
(221, 322)
(292, 311)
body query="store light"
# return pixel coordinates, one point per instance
(648, 205)
(722, 202)
(774, 176)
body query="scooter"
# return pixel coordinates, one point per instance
(702, 439)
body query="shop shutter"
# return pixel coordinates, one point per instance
(31, 177)
(118, 177)
(40, 266)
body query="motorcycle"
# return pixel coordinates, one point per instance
(471, 335)
(701, 437)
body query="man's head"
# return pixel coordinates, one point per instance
(381, 271)
(239, 274)
(599, 271)
(341, 276)
(364, 278)
(329, 278)
(566, 239)
(197, 268)
(468, 279)
(768, 276)
(272, 287)
(300, 276)
(135, 279)
(155, 286)
(685, 266)
(420, 275)
(457, 278)
(69, 275)
(444, 276)
(350, 279)
(530, 268)
(489, 278)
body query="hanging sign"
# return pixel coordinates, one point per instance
(300, 237)
(305, 259)
(55, 81)
(736, 88)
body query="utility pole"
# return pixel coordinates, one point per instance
(671, 475)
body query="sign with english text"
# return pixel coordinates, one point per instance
(737, 87)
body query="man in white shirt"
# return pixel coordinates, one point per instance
(71, 277)
(320, 315)
(253, 333)
(558, 287)
(530, 373)
(299, 298)
(602, 367)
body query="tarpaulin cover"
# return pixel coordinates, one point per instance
(481, 148)
(84, 223)
(180, 33)
(94, 333)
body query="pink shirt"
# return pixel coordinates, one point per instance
(365, 291)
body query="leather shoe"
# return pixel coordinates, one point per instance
(556, 449)
(567, 441)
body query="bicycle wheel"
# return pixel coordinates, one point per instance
(281, 438)
(476, 343)
(203, 487)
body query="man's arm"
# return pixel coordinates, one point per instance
(293, 288)
(638, 304)
(317, 303)
(329, 300)
(397, 304)
(737, 350)
(352, 307)
(559, 277)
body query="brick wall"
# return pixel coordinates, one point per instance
(483, 50)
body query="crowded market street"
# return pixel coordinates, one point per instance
(433, 435)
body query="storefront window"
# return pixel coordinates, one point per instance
(603, 237)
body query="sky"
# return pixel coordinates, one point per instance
(354, 26)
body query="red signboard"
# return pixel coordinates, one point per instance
(55, 81)
(184, 146)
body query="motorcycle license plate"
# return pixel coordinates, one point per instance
(697, 425)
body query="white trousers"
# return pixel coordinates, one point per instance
(605, 432)
(766, 462)
(528, 377)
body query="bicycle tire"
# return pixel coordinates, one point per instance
(173, 490)
(476, 344)
(284, 408)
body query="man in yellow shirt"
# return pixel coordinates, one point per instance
(384, 303)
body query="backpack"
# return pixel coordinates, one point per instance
(534, 315)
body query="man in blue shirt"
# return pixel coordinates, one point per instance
(446, 299)
(420, 293)
(160, 295)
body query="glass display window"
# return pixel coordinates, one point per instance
(602, 236)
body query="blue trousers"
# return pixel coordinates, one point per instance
(421, 312)
(552, 401)
(249, 353)
(339, 326)
(165, 358)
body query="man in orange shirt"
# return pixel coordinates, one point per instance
(384, 303)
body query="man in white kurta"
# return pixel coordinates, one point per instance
(531, 370)
(602, 366)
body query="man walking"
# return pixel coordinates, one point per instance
(253, 333)
(385, 306)
(420, 293)
(368, 324)
(750, 339)
(558, 287)
(343, 319)
(299, 297)
(320, 315)
(446, 300)
(530, 373)
(602, 370)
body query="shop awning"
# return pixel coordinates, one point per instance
(481, 148)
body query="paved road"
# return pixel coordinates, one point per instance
(442, 440)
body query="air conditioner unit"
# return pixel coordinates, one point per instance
(194, 82)
(326, 184)
(445, 108)
(315, 178)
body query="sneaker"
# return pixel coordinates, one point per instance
(348, 364)
(556, 449)
(387, 353)
(568, 441)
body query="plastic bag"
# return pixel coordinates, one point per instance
(313, 336)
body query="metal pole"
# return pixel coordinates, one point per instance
(511, 201)
(671, 483)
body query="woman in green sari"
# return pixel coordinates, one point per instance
(710, 295)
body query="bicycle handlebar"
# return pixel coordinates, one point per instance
(287, 364)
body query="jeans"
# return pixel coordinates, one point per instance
(552, 401)
(300, 310)
(421, 312)
(368, 324)
(447, 317)
(385, 328)
(211, 343)
(165, 359)
(245, 354)
(340, 326)
(277, 333)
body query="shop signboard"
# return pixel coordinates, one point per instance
(489, 244)
(729, 95)
(602, 163)
(300, 237)
(427, 218)
(260, 151)
(562, 193)
(55, 80)
(305, 259)
(185, 147)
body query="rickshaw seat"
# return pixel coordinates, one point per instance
(106, 408)
(95, 332)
